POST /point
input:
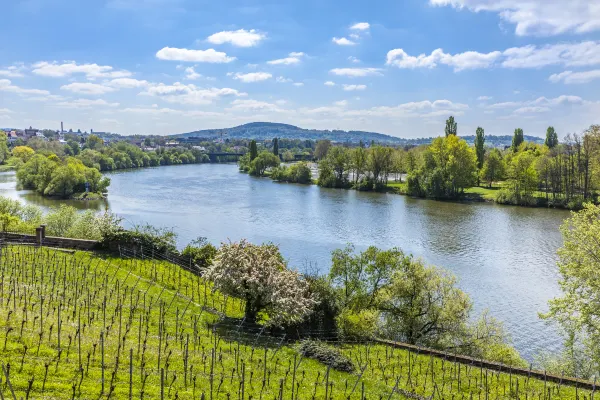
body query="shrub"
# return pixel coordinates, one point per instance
(326, 354)
(201, 252)
(357, 325)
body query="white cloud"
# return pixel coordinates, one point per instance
(253, 76)
(341, 103)
(361, 26)
(354, 87)
(329, 83)
(86, 103)
(91, 71)
(281, 79)
(254, 105)
(12, 72)
(531, 109)
(239, 38)
(7, 86)
(191, 74)
(355, 72)
(484, 98)
(539, 105)
(538, 17)
(343, 41)
(157, 111)
(570, 77)
(294, 58)
(6, 111)
(353, 59)
(208, 56)
(127, 83)
(298, 84)
(87, 88)
(467, 60)
(189, 94)
(566, 54)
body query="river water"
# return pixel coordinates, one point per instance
(504, 257)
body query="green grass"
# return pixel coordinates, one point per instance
(485, 193)
(167, 318)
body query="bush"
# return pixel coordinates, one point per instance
(357, 325)
(297, 173)
(325, 354)
(201, 252)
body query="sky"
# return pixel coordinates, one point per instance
(398, 67)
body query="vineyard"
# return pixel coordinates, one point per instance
(79, 325)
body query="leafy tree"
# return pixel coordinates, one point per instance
(518, 138)
(322, 148)
(522, 180)
(23, 152)
(451, 127)
(276, 147)
(480, 146)
(4, 152)
(551, 138)
(262, 162)
(253, 150)
(577, 311)
(493, 167)
(258, 275)
(358, 162)
(201, 252)
(94, 142)
(296, 173)
(333, 169)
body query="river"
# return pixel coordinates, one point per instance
(504, 257)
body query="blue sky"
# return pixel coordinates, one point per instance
(397, 67)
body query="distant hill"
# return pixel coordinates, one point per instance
(269, 130)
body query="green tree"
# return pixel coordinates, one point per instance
(253, 150)
(493, 167)
(518, 138)
(577, 311)
(276, 147)
(551, 138)
(262, 162)
(23, 152)
(322, 148)
(451, 127)
(334, 168)
(4, 152)
(480, 146)
(94, 142)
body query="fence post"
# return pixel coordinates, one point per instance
(39, 235)
(43, 226)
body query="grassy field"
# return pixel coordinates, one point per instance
(81, 326)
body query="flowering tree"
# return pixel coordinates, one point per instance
(258, 275)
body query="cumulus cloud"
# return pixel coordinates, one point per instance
(484, 98)
(189, 94)
(239, 38)
(570, 77)
(538, 17)
(86, 103)
(87, 88)
(12, 72)
(298, 84)
(293, 58)
(356, 72)
(7, 86)
(127, 83)
(354, 87)
(252, 76)
(91, 71)
(329, 83)
(567, 54)
(254, 105)
(207, 56)
(343, 41)
(360, 26)
(353, 60)
(538, 105)
(341, 103)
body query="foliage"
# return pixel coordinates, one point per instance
(322, 148)
(449, 168)
(480, 146)
(326, 354)
(295, 173)
(52, 177)
(264, 161)
(4, 152)
(201, 252)
(253, 150)
(23, 152)
(522, 180)
(451, 127)
(493, 167)
(333, 168)
(258, 275)
(276, 147)
(577, 311)
(389, 294)
(142, 237)
(551, 138)
(517, 139)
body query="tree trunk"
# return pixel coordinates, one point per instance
(251, 311)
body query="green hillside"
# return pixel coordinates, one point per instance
(75, 325)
